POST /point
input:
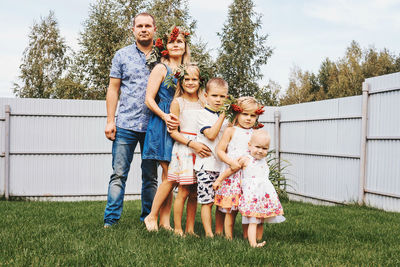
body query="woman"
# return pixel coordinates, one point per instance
(159, 94)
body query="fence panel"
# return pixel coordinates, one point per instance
(58, 148)
(383, 143)
(321, 142)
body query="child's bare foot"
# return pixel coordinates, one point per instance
(179, 232)
(258, 245)
(210, 235)
(191, 233)
(166, 227)
(151, 224)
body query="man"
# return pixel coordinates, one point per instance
(129, 74)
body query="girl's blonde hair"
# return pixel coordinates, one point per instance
(200, 92)
(246, 102)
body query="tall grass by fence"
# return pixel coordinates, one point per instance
(340, 150)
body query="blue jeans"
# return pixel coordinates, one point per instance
(122, 154)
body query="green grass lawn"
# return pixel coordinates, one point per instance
(71, 233)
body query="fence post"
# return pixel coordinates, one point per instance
(7, 112)
(277, 138)
(363, 150)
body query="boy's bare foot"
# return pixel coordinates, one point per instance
(191, 233)
(151, 224)
(179, 232)
(166, 227)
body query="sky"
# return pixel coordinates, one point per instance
(302, 33)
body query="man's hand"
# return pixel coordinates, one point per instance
(110, 130)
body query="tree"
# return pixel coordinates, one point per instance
(341, 78)
(176, 12)
(44, 60)
(108, 28)
(243, 49)
(268, 95)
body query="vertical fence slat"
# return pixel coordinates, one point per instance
(7, 112)
(363, 150)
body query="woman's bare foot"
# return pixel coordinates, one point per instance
(151, 224)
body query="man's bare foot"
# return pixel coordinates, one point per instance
(258, 245)
(151, 224)
(179, 232)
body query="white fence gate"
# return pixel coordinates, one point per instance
(340, 151)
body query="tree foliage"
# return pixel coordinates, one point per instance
(43, 61)
(243, 49)
(107, 29)
(341, 78)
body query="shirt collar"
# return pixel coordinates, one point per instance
(208, 108)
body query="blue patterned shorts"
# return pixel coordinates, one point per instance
(205, 192)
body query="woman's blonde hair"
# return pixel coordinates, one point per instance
(246, 102)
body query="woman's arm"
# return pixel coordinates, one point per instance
(223, 145)
(199, 148)
(156, 77)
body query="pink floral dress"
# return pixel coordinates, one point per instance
(258, 198)
(227, 196)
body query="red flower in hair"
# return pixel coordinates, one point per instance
(187, 33)
(260, 110)
(237, 108)
(159, 43)
(175, 31)
(258, 126)
(177, 74)
(164, 53)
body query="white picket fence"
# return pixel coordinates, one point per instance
(338, 151)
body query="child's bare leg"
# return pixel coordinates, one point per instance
(219, 221)
(245, 230)
(165, 210)
(252, 236)
(162, 194)
(260, 231)
(230, 223)
(191, 209)
(206, 219)
(183, 193)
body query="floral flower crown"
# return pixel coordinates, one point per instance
(181, 71)
(232, 109)
(160, 46)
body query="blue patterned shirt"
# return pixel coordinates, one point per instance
(129, 65)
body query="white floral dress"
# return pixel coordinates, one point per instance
(259, 198)
(227, 196)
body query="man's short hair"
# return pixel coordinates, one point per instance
(144, 14)
(216, 82)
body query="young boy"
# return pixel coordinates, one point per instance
(211, 124)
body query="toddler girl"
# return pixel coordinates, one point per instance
(233, 145)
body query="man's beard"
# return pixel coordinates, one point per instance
(145, 42)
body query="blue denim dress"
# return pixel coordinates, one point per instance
(158, 143)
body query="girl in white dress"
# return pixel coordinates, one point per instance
(259, 201)
(186, 105)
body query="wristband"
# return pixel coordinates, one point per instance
(188, 143)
